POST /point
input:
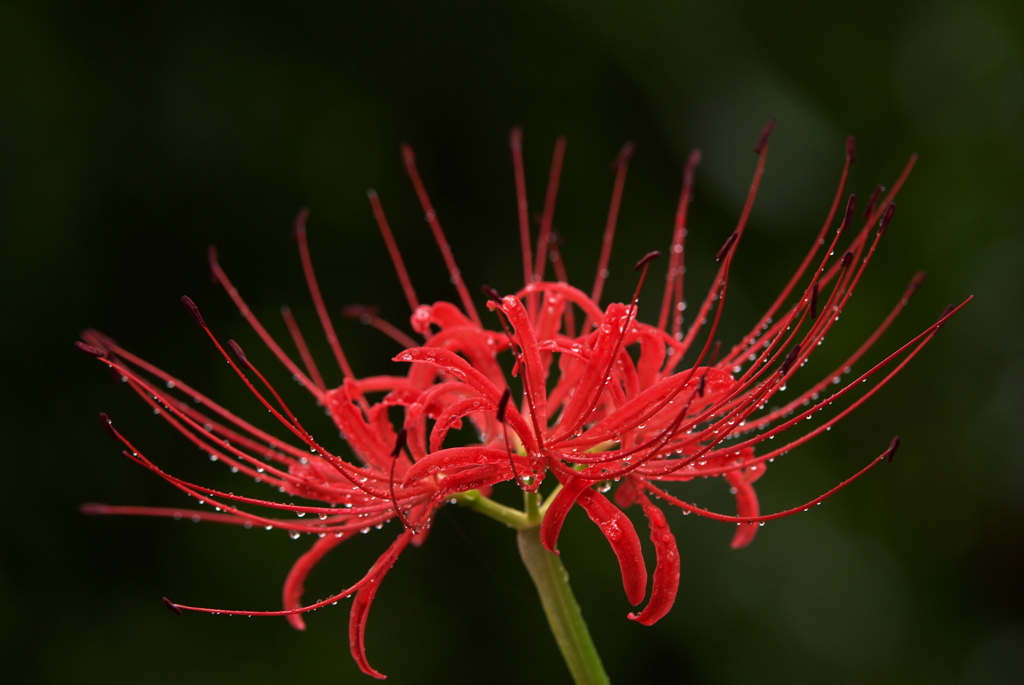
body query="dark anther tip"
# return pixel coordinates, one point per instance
(945, 312)
(194, 311)
(299, 226)
(108, 426)
(916, 282)
(624, 154)
(240, 357)
(491, 293)
(506, 395)
(762, 140)
(701, 384)
(850, 204)
(693, 160)
(814, 301)
(212, 261)
(171, 605)
(724, 250)
(399, 443)
(647, 259)
(790, 360)
(851, 149)
(89, 349)
(408, 156)
(875, 194)
(883, 223)
(893, 446)
(356, 311)
(847, 258)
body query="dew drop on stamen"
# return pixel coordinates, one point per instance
(294, 535)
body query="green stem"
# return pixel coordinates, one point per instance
(550, 579)
(564, 615)
(491, 509)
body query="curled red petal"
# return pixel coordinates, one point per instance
(473, 479)
(359, 434)
(746, 505)
(534, 369)
(589, 388)
(626, 493)
(559, 508)
(294, 583)
(458, 458)
(666, 573)
(364, 599)
(621, 535)
(463, 371)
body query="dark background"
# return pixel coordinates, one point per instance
(134, 135)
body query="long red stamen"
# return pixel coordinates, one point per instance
(409, 157)
(222, 278)
(547, 217)
(300, 345)
(522, 207)
(621, 166)
(314, 291)
(368, 316)
(673, 296)
(686, 506)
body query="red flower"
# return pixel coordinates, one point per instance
(601, 399)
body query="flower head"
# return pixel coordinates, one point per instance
(596, 399)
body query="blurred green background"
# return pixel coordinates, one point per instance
(134, 135)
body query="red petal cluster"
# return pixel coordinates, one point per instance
(596, 398)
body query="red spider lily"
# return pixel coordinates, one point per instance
(602, 399)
